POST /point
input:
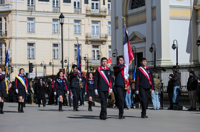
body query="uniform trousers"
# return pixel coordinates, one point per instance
(121, 93)
(103, 97)
(76, 94)
(144, 95)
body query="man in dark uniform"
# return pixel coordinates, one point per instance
(75, 86)
(104, 85)
(2, 91)
(144, 82)
(120, 85)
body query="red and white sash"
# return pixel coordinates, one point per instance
(145, 73)
(104, 76)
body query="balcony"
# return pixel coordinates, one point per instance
(95, 62)
(109, 12)
(97, 37)
(56, 9)
(77, 10)
(96, 12)
(30, 7)
(5, 7)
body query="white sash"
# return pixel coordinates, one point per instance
(144, 71)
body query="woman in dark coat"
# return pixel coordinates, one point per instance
(41, 89)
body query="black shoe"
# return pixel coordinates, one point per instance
(144, 116)
(121, 117)
(38, 105)
(43, 105)
(170, 108)
(194, 109)
(61, 110)
(76, 110)
(103, 117)
(19, 111)
(1, 112)
(22, 111)
(190, 109)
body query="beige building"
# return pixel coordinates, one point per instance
(31, 29)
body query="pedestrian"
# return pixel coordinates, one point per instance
(154, 95)
(198, 89)
(89, 90)
(132, 93)
(75, 88)
(2, 91)
(103, 83)
(41, 90)
(144, 82)
(170, 87)
(49, 91)
(32, 91)
(21, 89)
(128, 96)
(60, 88)
(191, 87)
(177, 84)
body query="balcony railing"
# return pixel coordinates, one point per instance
(56, 9)
(102, 36)
(6, 7)
(109, 12)
(30, 7)
(101, 11)
(32, 31)
(77, 10)
(95, 62)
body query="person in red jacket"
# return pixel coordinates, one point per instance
(21, 89)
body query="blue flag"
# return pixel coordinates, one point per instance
(78, 58)
(7, 61)
(134, 74)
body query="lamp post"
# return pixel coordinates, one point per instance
(44, 67)
(153, 49)
(67, 60)
(115, 53)
(61, 17)
(99, 55)
(175, 46)
(51, 63)
(86, 60)
(198, 41)
(135, 54)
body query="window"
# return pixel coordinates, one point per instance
(5, 19)
(2, 1)
(30, 2)
(137, 3)
(55, 3)
(109, 28)
(31, 51)
(66, 1)
(76, 4)
(86, 1)
(55, 52)
(109, 52)
(1, 53)
(109, 5)
(0, 26)
(95, 52)
(77, 27)
(103, 2)
(55, 26)
(95, 29)
(31, 25)
(75, 51)
(43, 0)
(95, 4)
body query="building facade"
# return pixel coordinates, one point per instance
(161, 22)
(31, 30)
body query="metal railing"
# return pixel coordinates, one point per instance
(32, 31)
(56, 9)
(77, 10)
(109, 12)
(103, 36)
(101, 11)
(5, 7)
(30, 7)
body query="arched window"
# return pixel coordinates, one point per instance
(137, 3)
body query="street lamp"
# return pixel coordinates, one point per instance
(198, 42)
(67, 60)
(153, 49)
(175, 46)
(51, 63)
(135, 54)
(115, 53)
(61, 17)
(99, 55)
(44, 66)
(86, 60)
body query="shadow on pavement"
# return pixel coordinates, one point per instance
(10, 111)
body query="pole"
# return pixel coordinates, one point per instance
(154, 59)
(177, 57)
(87, 66)
(62, 45)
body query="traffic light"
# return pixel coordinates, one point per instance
(12, 69)
(31, 67)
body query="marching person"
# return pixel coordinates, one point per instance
(2, 91)
(75, 88)
(89, 90)
(21, 89)
(104, 85)
(144, 82)
(61, 88)
(120, 85)
(41, 90)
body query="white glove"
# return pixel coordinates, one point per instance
(17, 91)
(96, 92)
(54, 93)
(137, 92)
(80, 79)
(85, 93)
(26, 91)
(110, 90)
(152, 91)
(67, 92)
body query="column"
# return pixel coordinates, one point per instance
(113, 31)
(120, 28)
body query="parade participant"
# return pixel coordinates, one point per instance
(60, 88)
(89, 90)
(120, 85)
(41, 90)
(104, 85)
(2, 91)
(144, 82)
(21, 89)
(75, 87)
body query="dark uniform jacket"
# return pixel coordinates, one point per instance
(192, 83)
(41, 90)
(89, 85)
(142, 81)
(176, 79)
(19, 84)
(103, 80)
(74, 80)
(61, 83)
(2, 82)
(170, 86)
(119, 75)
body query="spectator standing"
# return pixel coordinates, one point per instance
(191, 87)
(170, 87)
(198, 90)
(177, 84)
(154, 95)
(41, 89)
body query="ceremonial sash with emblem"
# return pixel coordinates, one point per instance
(104, 76)
(146, 74)
(22, 80)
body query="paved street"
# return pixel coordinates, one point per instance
(48, 119)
